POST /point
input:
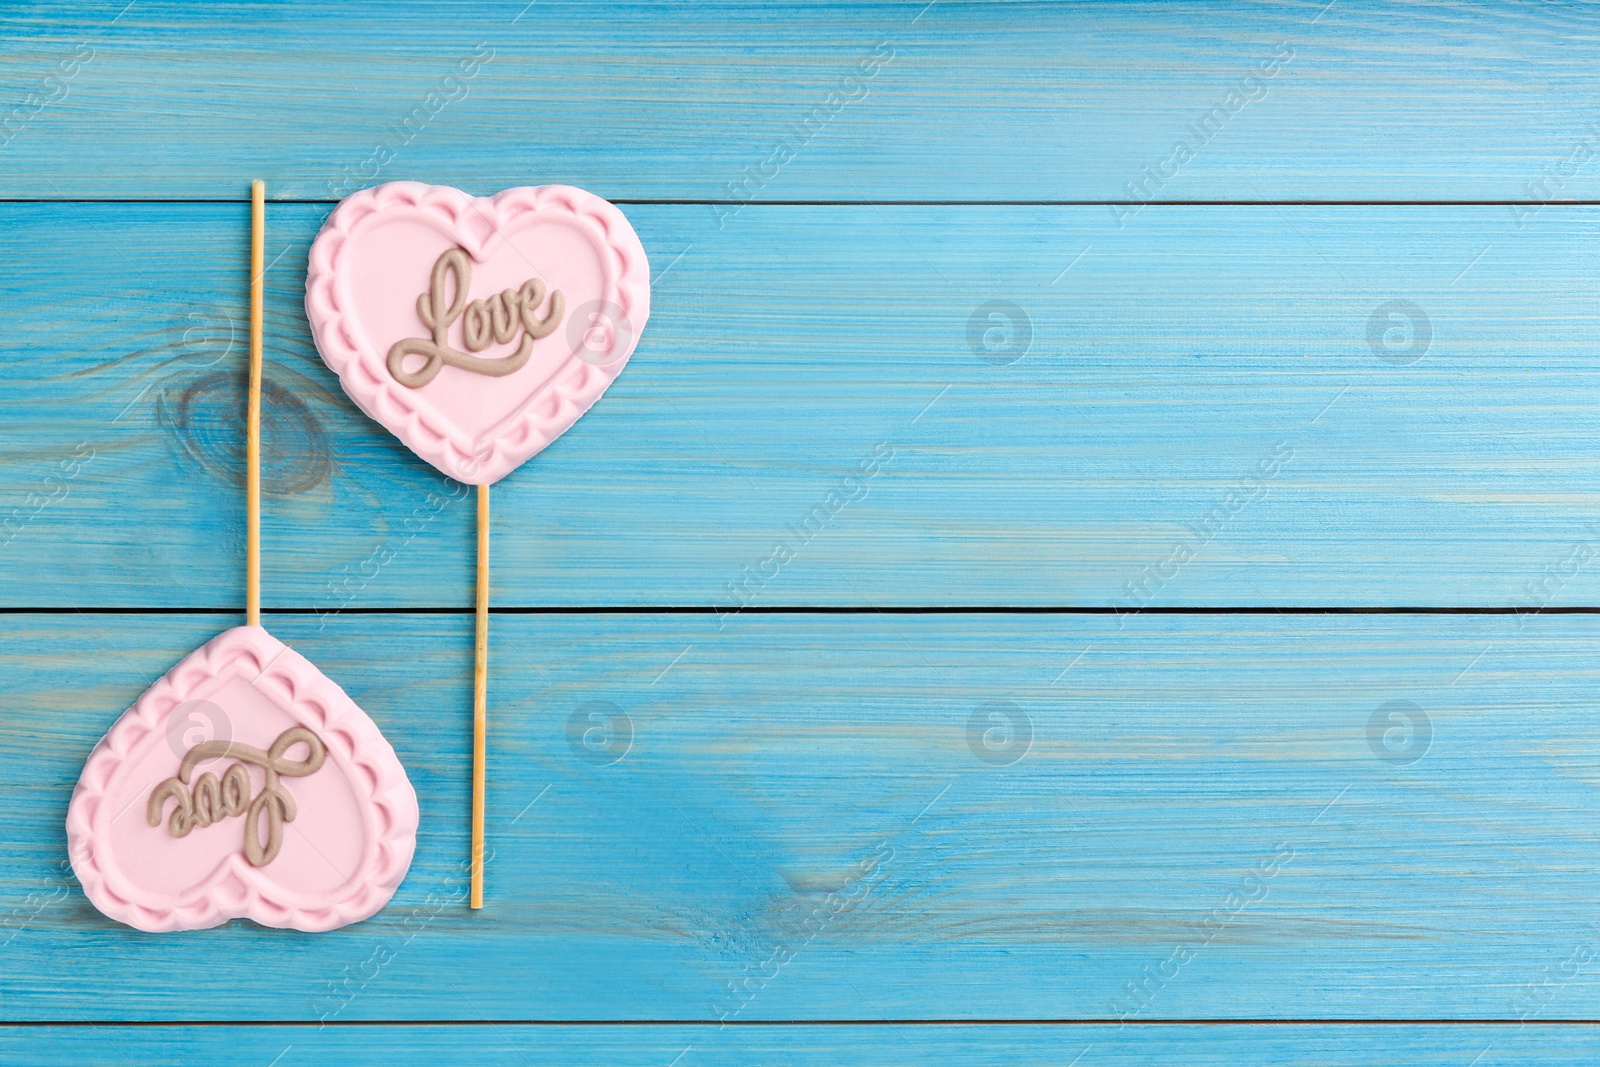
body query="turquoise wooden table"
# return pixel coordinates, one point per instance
(1208, 671)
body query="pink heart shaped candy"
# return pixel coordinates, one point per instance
(477, 330)
(243, 784)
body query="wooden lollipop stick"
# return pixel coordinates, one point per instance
(252, 477)
(480, 697)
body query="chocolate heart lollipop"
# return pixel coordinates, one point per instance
(244, 783)
(476, 330)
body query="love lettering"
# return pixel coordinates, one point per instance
(211, 799)
(498, 318)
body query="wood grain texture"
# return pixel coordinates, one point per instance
(824, 1046)
(875, 818)
(1163, 372)
(935, 817)
(966, 102)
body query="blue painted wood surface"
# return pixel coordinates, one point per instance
(1164, 370)
(1177, 818)
(1378, 404)
(823, 1046)
(964, 101)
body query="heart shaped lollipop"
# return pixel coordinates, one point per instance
(243, 784)
(476, 329)
(287, 806)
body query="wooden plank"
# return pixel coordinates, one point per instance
(728, 103)
(870, 1046)
(814, 818)
(1205, 413)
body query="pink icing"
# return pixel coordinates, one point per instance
(343, 855)
(374, 258)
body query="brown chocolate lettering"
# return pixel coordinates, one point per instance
(210, 799)
(497, 318)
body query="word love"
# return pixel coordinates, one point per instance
(211, 799)
(498, 318)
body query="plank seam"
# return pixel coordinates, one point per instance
(826, 609)
(696, 202)
(755, 1023)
